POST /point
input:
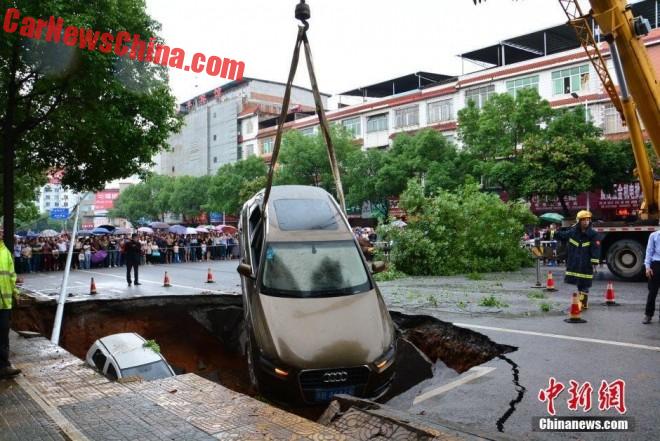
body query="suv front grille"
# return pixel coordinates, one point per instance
(312, 381)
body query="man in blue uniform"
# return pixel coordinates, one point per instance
(583, 249)
(652, 264)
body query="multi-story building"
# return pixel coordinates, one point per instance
(550, 60)
(53, 195)
(221, 125)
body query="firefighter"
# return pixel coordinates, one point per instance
(583, 249)
(7, 292)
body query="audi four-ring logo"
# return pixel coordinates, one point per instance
(335, 377)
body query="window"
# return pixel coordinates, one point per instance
(249, 150)
(47, 205)
(440, 111)
(305, 214)
(47, 197)
(56, 204)
(406, 117)
(215, 137)
(66, 204)
(307, 131)
(99, 359)
(151, 371)
(46, 189)
(215, 159)
(112, 372)
(314, 269)
(249, 126)
(512, 86)
(480, 95)
(377, 123)
(267, 146)
(172, 169)
(213, 114)
(612, 120)
(353, 126)
(570, 80)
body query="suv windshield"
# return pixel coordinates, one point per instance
(151, 371)
(314, 269)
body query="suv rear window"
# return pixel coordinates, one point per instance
(305, 214)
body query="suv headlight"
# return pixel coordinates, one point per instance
(385, 361)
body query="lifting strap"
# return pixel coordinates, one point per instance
(303, 14)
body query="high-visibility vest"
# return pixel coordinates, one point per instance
(7, 277)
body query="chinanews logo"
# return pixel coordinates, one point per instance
(122, 44)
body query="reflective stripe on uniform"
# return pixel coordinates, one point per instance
(574, 242)
(586, 244)
(580, 275)
(7, 273)
(595, 261)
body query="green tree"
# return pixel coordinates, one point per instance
(361, 179)
(427, 156)
(569, 157)
(304, 159)
(189, 195)
(134, 203)
(461, 231)
(93, 116)
(493, 135)
(234, 183)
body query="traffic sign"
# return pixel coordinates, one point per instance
(59, 213)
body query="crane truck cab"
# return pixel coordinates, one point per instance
(315, 322)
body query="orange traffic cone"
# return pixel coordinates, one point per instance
(609, 295)
(209, 277)
(166, 281)
(92, 287)
(550, 283)
(574, 312)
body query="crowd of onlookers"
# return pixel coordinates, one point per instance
(107, 251)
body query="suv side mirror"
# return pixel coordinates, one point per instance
(378, 266)
(245, 270)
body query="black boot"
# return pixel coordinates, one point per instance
(9, 372)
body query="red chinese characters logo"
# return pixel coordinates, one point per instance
(580, 396)
(612, 395)
(549, 394)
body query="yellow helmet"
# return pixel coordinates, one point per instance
(583, 214)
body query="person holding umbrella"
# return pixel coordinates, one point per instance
(132, 251)
(583, 250)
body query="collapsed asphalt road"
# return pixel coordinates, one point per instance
(201, 334)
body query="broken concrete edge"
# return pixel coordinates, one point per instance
(343, 403)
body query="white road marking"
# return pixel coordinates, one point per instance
(79, 282)
(564, 337)
(117, 291)
(470, 375)
(159, 283)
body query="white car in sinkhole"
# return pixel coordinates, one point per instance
(127, 355)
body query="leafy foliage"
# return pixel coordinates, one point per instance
(234, 183)
(464, 231)
(128, 109)
(151, 344)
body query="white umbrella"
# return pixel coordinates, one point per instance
(146, 230)
(201, 229)
(49, 233)
(190, 230)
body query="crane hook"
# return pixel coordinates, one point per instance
(303, 13)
